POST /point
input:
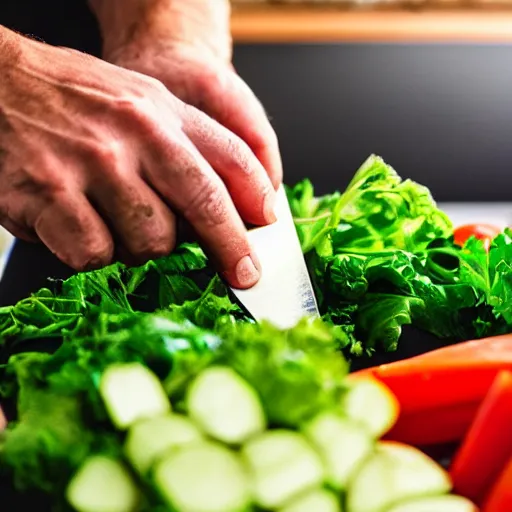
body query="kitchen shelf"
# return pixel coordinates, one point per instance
(286, 24)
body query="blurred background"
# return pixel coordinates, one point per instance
(426, 84)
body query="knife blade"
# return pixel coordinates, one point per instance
(284, 294)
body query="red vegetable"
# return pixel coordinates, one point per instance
(488, 444)
(500, 498)
(485, 232)
(440, 392)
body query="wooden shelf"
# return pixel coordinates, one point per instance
(267, 24)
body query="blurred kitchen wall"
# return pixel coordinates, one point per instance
(439, 111)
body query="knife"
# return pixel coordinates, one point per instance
(284, 294)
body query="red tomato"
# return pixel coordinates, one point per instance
(485, 232)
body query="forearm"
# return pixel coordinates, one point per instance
(193, 22)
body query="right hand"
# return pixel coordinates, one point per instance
(96, 159)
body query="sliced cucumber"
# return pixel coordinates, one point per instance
(225, 406)
(341, 444)
(203, 477)
(132, 392)
(365, 395)
(448, 503)
(102, 484)
(394, 473)
(319, 500)
(148, 440)
(283, 464)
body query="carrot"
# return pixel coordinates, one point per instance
(440, 425)
(500, 497)
(456, 377)
(488, 444)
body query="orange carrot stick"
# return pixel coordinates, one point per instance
(427, 386)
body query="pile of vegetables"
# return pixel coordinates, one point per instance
(150, 389)
(157, 415)
(381, 255)
(459, 396)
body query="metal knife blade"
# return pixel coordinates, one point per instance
(284, 294)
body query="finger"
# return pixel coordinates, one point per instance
(232, 103)
(74, 232)
(18, 231)
(139, 219)
(12, 221)
(181, 175)
(233, 160)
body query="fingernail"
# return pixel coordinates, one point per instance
(268, 208)
(246, 272)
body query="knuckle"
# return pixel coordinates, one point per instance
(208, 83)
(241, 155)
(208, 206)
(265, 139)
(109, 153)
(139, 100)
(157, 86)
(135, 110)
(131, 105)
(46, 183)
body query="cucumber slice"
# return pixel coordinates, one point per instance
(365, 395)
(394, 473)
(319, 500)
(225, 406)
(448, 503)
(148, 440)
(203, 477)
(102, 484)
(341, 444)
(132, 392)
(283, 464)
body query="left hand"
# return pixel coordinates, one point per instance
(205, 78)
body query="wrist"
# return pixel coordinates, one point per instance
(130, 26)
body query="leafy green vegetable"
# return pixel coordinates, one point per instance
(381, 256)
(377, 211)
(61, 419)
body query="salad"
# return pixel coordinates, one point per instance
(149, 388)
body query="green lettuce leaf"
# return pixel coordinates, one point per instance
(378, 210)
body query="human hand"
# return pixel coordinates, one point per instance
(186, 44)
(211, 84)
(94, 158)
